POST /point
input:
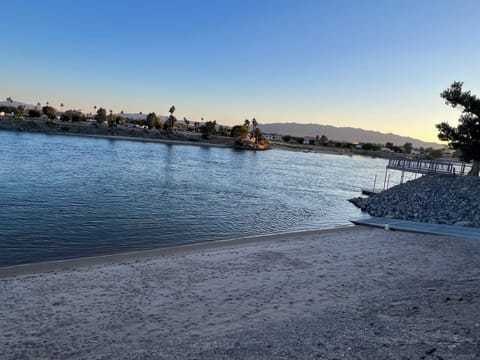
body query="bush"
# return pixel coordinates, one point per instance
(34, 113)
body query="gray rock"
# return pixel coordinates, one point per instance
(440, 199)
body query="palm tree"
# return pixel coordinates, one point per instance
(61, 106)
(111, 123)
(172, 118)
(247, 124)
(39, 105)
(254, 126)
(9, 99)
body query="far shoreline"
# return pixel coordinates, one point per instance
(150, 140)
(13, 125)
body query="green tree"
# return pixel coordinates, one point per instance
(434, 153)
(286, 138)
(247, 124)
(254, 127)
(208, 129)
(49, 111)
(157, 124)
(258, 135)
(466, 136)
(9, 109)
(101, 115)
(152, 118)
(72, 115)
(22, 109)
(239, 131)
(324, 140)
(111, 122)
(408, 147)
(34, 113)
(370, 146)
(171, 118)
(120, 120)
(223, 130)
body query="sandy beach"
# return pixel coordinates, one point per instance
(348, 293)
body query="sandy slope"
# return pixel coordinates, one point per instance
(354, 293)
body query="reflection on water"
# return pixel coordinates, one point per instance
(64, 197)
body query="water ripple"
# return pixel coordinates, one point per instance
(65, 197)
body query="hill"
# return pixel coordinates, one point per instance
(16, 104)
(349, 134)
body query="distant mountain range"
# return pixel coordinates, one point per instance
(16, 104)
(137, 116)
(348, 134)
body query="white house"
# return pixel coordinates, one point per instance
(308, 139)
(273, 137)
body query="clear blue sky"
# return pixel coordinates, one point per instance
(378, 65)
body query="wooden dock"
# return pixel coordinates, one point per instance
(422, 167)
(429, 166)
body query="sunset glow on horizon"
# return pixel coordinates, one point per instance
(367, 64)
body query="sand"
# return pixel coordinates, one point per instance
(350, 293)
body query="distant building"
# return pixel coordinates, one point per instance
(308, 140)
(273, 137)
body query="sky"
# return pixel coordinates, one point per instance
(377, 65)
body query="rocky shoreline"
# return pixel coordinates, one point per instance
(438, 199)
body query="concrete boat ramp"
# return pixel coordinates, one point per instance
(420, 227)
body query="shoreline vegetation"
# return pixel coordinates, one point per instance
(178, 136)
(269, 299)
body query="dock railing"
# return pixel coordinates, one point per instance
(429, 166)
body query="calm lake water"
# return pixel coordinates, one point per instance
(65, 197)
